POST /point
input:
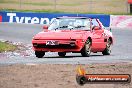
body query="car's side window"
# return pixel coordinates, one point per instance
(95, 23)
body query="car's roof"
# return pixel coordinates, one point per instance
(72, 17)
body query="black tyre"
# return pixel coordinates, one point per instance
(86, 50)
(39, 54)
(107, 50)
(62, 54)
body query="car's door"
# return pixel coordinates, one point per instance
(98, 38)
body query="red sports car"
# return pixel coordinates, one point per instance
(73, 34)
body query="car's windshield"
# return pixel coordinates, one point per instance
(70, 24)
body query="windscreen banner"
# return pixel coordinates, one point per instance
(46, 18)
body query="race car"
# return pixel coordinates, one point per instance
(73, 34)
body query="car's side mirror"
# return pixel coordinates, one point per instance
(45, 27)
(96, 28)
(110, 30)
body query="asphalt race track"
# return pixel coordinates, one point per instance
(121, 50)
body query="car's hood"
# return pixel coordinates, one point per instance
(65, 34)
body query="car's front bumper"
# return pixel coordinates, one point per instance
(62, 46)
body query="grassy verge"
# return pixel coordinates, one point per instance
(39, 3)
(6, 47)
(39, 11)
(115, 7)
(57, 11)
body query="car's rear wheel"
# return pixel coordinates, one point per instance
(39, 54)
(86, 50)
(62, 54)
(107, 50)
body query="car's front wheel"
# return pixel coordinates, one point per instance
(62, 54)
(86, 50)
(39, 54)
(107, 50)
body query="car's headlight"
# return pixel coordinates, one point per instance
(35, 44)
(35, 38)
(73, 44)
(83, 40)
(73, 39)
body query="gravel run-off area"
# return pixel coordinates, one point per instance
(58, 76)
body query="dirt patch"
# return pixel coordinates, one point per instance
(57, 76)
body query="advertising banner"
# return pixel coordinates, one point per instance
(121, 21)
(45, 18)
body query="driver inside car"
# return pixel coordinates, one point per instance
(95, 24)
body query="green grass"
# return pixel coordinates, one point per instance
(47, 11)
(115, 7)
(2, 1)
(27, 3)
(38, 4)
(6, 47)
(39, 11)
(70, 4)
(57, 11)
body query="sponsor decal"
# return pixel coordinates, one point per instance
(83, 78)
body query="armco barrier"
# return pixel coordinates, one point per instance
(45, 18)
(121, 21)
